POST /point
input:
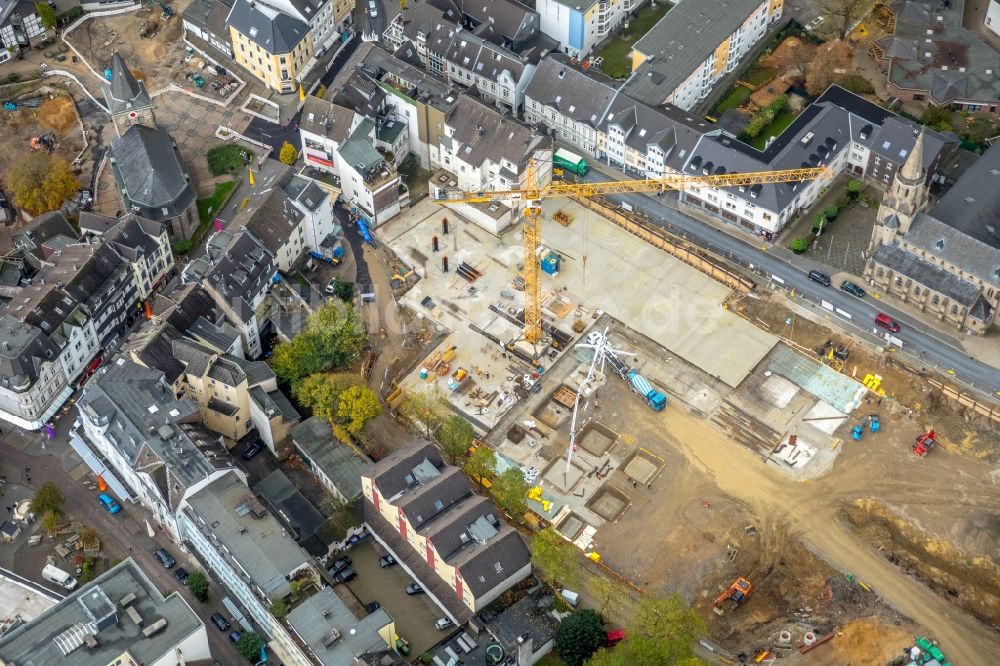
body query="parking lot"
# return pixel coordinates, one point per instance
(414, 615)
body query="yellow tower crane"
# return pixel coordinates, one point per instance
(530, 197)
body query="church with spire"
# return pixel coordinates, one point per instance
(149, 175)
(945, 259)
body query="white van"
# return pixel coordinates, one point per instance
(59, 577)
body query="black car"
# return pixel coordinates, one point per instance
(252, 449)
(386, 561)
(852, 289)
(820, 277)
(221, 623)
(345, 575)
(165, 558)
(372, 606)
(339, 566)
(181, 574)
(414, 588)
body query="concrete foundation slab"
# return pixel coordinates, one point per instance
(641, 469)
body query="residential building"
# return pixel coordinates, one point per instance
(840, 131)
(506, 23)
(944, 260)
(569, 101)
(234, 395)
(450, 539)
(932, 59)
(363, 94)
(579, 26)
(324, 125)
(206, 20)
(141, 242)
(462, 57)
(419, 98)
(317, 203)
(67, 323)
(483, 149)
(370, 185)
(144, 159)
(255, 560)
(239, 281)
(120, 617)
(645, 141)
(277, 223)
(20, 27)
(693, 46)
(337, 466)
(273, 46)
(33, 382)
(155, 445)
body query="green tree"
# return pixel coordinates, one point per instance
(481, 464)
(509, 491)
(48, 498)
(288, 154)
(662, 633)
(555, 556)
(249, 646)
(937, 118)
(800, 245)
(41, 182)
(579, 636)
(333, 336)
(51, 521)
(854, 188)
(611, 594)
(830, 212)
(979, 130)
(46, 15)
(197, 583)
(358, 405)
(320, 91)
(426, 409)
(321, 392)
(295, 586)
(455, 437)
(279, 609)
(343, 289)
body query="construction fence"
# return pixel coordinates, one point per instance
(663, 240)
(965, 400)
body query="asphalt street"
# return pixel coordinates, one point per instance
(929, 346)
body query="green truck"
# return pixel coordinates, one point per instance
(563, 159)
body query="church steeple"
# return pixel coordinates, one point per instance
(913, 172)
(126, 97)
(906, 197)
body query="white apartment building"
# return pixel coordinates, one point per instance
(33, 382)
(992, 20)
(577, 26)
(694, 45)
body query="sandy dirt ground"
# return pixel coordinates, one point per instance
(57, 115)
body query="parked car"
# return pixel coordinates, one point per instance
(109, 503)
(220, 621)
(386, 561)
(373, 8)
(165, 558)
(852, 289)
(339, 566)
(414, 588)
(252, 449)
(443, 623)
(820, 277)
(181, 574)
(235, 636)
(372, 606)
(345, 575)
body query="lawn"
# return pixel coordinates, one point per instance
(617, 63)
(758, 76)
(734, 100)
(226, 158)
(208, 208)
(774, 129)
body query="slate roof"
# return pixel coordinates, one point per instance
(582, 96)
(390, 473)
(325, 118)
(242, 272)
(931, 51)
(955, 247)
(494, 562)
(423, 85)
(124, 93)
(273, 31)
(512, 22)
(972, 205)
(358, 150)
(156, 351)
(486, 134)
(42, 230)
(360, 93)
(925, 273)
(681, 41)
(196, 358)
(209, 15)
(22, 353)
(480, 56)
(271, 217)
(338, 462)
(435, 496)
(135, 236)
(149, 174)
(529, 616)
(97, 224)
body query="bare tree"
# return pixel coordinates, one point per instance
(843, 13)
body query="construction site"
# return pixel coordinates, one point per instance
(679, 436)
(39, 118)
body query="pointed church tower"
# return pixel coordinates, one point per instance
(907, 197)
(126, 98)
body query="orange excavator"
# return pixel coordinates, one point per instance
(738, 592)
